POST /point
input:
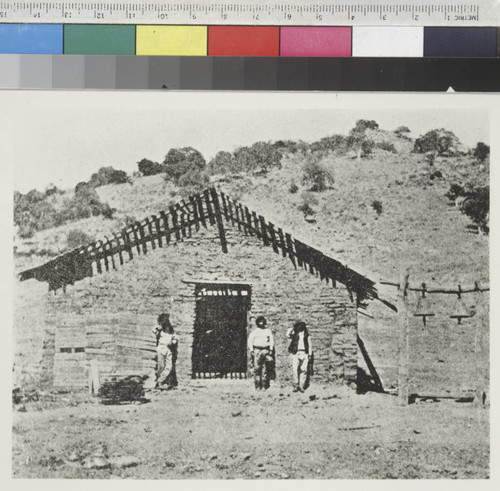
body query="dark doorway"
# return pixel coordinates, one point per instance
(220, 330)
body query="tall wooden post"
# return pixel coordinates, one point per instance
(404, 340)
(480, 351)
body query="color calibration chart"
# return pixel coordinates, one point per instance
(256, 45)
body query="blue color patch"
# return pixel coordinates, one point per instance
(31, 38)
(460, 41)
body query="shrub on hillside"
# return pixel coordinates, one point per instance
(290, 146)
(330, 143)
(149, 168)
(364, 124)
(402, 131)
(76, 238)
(377, 206)
(307, 205)
(473, 202)
(259, 158)
(481, 152)
(293, 188)
(35, 211)
(84, 204)
(194, 181)
(387, 146)
(108, 175)
(316, 175)
(180, 161)
(441, 142)
(222, 163)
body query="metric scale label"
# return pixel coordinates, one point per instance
(256, 12)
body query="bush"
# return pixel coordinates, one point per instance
(364, 124)
(76, 238)
(149, 168)
(316, 175)
(108, 175)
(437, 141)
(180, 161)
(377, 206)
(194, 181)
(387, 146)
(260, 158)
(402, 131)
(222, 163)
(481, 152)
(35, 211)
(307, 205)
(330, 143)
(293, 188)
(367, 146)
(477, 206)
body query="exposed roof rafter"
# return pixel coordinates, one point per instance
(211, 207)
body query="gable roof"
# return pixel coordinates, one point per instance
(211, 207)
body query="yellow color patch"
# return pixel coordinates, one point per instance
(171, 40)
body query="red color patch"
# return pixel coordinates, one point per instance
(243, 41)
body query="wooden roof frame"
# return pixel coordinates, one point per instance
(208, 208)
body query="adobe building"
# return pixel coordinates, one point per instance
(214, 266)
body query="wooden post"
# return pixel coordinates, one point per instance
(480, 351)
(94, 382)
(404, 340)
(218, 219)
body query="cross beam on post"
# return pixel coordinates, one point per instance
(404, 340)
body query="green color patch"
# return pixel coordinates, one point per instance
(99, 40)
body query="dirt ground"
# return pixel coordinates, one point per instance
(223, 429)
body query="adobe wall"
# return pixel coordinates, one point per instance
(153, 283)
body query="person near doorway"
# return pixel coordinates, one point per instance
(261, 345)
(301, 354)
(166, 352)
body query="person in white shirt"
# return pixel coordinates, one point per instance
(261, 345)
(166, 351)
(300, 350)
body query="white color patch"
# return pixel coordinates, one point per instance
(388, 41)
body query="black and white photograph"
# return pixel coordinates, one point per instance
(250, 286)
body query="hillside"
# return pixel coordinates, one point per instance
(413, 225)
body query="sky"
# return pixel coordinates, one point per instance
(71, 137)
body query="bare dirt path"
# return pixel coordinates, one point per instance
(223, 429)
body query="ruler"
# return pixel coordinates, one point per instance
(256, 12)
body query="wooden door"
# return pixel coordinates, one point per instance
(220, 332)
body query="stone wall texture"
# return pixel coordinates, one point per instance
(116, 311)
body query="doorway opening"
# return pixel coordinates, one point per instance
(220, 330)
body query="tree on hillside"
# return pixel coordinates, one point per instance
(481, 151)
(440, 142)
(316, 175)
(222, 163)
(180, 161)
(362, 145)
(364, 124)
(149, 168)
(108, 175)
(402, 131)
(260, 158)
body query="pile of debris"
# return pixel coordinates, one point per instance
(118, 390)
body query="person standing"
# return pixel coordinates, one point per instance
(166, 352)
(300, 350)
(261, 345)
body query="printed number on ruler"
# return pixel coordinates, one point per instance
(257, 12)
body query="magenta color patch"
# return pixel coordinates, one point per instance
(315, 41)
